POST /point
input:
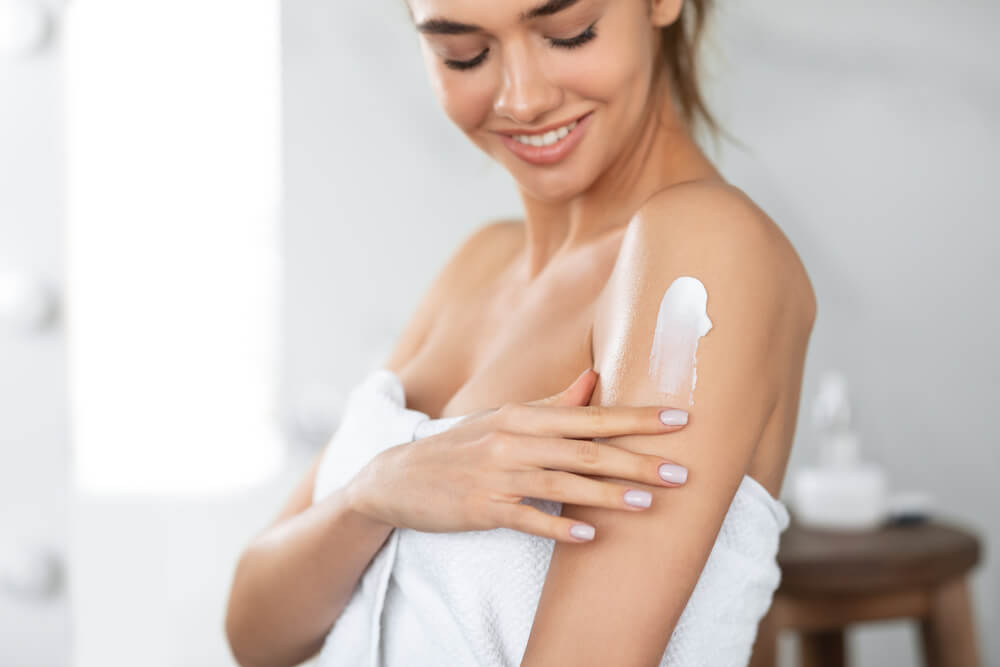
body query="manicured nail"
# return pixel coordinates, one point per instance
(671, 472)
(674, 417)
(582, 531)
(637, 498)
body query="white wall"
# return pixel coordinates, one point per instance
(873, 137)
(875, 133)
(34, 468)
(173, 239)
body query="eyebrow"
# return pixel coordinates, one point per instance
(440, 26)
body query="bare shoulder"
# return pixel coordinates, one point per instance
(475, 259)
(716, 222)
(759, 299)
(485, 251)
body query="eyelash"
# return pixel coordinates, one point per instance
(571, 43)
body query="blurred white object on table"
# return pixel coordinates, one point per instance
(842, 492)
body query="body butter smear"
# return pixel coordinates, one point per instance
(680, 323)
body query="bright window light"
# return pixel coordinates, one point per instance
(173, 244)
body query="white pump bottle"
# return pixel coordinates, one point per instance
(842, 492)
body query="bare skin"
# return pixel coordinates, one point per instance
(522, 327)
(512, 316)
(505, 340)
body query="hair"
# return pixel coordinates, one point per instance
(679, 49)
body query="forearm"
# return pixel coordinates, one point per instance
(294, 580)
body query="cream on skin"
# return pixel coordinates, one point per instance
(680, 324)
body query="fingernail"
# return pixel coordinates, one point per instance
(637, 498)
(674, 417)
(582, 531)
(671, 472)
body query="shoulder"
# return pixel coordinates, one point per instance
(480, 255)
(716, 229)
(475, 258)
(493, 238)
(754, 280)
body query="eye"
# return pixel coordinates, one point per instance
(467, 64)
(571, 43)
(579, 40)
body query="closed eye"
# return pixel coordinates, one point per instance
(571, 43)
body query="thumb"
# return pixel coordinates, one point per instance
(577, 393)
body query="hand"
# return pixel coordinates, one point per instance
(474, 475)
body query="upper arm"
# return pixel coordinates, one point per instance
(411, 337)
(635, 578)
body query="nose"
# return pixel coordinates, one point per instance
(526, 93)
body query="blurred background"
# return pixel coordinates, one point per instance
(216, 215)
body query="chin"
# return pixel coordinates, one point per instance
(550, 190)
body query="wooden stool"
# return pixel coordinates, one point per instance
(830, 580)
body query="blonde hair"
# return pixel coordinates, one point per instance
(679, 48)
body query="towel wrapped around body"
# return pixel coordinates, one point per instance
(469, 598)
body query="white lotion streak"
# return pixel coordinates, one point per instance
(681, 322)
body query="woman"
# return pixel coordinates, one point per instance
(456, 539)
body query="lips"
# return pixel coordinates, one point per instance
(544, 130)
(547, 155)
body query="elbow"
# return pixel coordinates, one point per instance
(234, 628)
(235, 634)
(236, 646)
(255, 636)
(240, 640)
(238, 626)
(241, 655)
(250, 635)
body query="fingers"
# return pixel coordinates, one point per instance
(588, 421)
(594, 458)
(528, 519)
(580, 391)
(577, 393)
(565, 487)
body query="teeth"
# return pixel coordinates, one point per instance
(546, 139)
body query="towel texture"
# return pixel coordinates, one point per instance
(469, 598)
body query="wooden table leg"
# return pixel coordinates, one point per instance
(948, 631)
(765, 648)
(822, 648)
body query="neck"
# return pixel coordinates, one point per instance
(661, 154)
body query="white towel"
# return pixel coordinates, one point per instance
(469, 598)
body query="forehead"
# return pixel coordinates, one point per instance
(477, 12)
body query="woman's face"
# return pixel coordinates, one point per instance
(514, 67)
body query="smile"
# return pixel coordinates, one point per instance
(549, 147)
(546, 139)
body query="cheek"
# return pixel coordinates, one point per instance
(611, 67)
(468, 105)
(602, 74)
(465, 97)
(617, 66)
